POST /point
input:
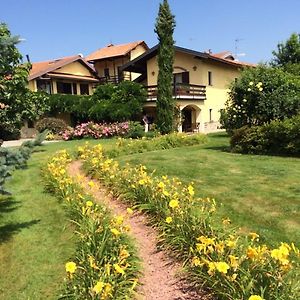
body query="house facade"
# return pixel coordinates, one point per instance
(67, 75)
(200, 85)
(109, 60)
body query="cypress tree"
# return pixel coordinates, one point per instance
(165, 104)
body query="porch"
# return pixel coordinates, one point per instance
(180, 91)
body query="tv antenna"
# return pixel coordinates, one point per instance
(236, 47)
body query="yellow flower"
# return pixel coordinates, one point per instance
(118, 269)
(166, 193)
(211, 268)
(191, 190)
(233, 261)
(91, 184)
(169, 220)
(196, 261)
(115, 232)
(107, 291)
(253, 236)
(251, 83)
(255, 297)
(226, 221)
(98, 287)
(71, 267)
(141, 182)
(252, 253)
(119, 220)
(124, 254)
(89, 203)
(222, 267)
(129, 211)
(174, 203)
(260, 89)
(161, 185)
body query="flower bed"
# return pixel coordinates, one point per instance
(105, 265)
(231, 264)
(96, 130)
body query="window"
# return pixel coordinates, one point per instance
(106, 72)
(183, 77)
(210, 115)
(74, 89)
(44, 85)
(64, 87)
(209, 78)
(84, 89)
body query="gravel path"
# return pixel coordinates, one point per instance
(160, 280)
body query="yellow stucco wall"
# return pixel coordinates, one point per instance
(32, 85)
(75, 68)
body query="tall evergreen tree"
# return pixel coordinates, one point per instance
(165, 105)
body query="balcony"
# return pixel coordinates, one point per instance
(114, 79)
(180, 91)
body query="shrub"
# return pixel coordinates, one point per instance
(260, 95)
(96, 131)
(277, 137)
(53, 125)
(136, 130)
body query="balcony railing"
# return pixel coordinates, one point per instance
(114, 79)
(180, 91)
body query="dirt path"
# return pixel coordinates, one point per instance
(160, 280)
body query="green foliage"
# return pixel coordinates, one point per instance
(109, 103)
(117, 103)
(277, 137)
(53, 125)
(136, 130)
(165, 104)
(288, 52)
(16, 101)
(260, 95)
(77, 105)
(173, 140)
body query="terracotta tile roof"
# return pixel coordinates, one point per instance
(224, 54)
(227, 56)
(40, 68)
(114, 50)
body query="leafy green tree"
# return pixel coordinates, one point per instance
(16, 101)
(120, 102)
(165, 104)
(260, 95)
(288, 54)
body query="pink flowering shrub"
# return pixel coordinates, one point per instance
(96, 130)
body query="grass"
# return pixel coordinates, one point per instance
(259, 193)
(35, 236)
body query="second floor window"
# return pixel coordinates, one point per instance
(209, 74)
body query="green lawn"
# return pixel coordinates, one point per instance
(35, 236)
(260, 193)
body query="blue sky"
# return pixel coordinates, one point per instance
(59, 28)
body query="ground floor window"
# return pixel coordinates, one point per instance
(44, 85)
(64, 87)
(84, 89)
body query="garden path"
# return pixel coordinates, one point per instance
(161, 275)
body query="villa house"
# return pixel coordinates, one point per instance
(67, 75)
(109, 60)
(200, 84)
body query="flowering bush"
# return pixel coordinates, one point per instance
(96, 130)
(260, 95)
(105, 265)
(233, 265)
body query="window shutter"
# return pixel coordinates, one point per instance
(185, 77)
